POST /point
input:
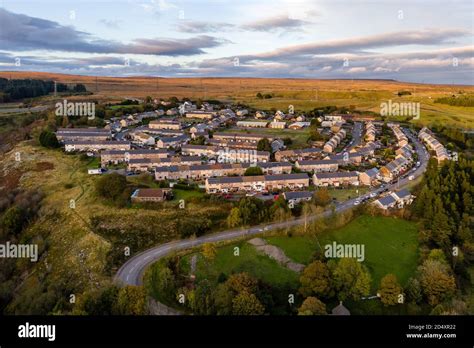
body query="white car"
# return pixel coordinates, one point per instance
(356, 202)
(411, 177)
(373, 194)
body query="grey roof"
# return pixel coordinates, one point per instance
(83, 134)
(83, 130)
(340, 156)
(335, 175)
(387, 200)
(286, 177)
(340, 310)
(104, 142)
(225, 179)
(372, 172)
(173, 139)
(403, 193)
(316, 162)
(298, 195)
(273, 164)
(136, 152)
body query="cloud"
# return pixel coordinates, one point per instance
(20, 32)
(359, 44)
(202, 27)
(285, 22)
(110, 23)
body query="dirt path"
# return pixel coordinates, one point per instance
(277, 254)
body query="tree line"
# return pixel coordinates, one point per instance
(15, 89)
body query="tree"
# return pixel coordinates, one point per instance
(200, 140)
(234, 219)
(413, 290)
(322, 197)
(79, 88)
(242, 282)
(132, 300)
(251, 171)
(246, 303)
(209, 251)
(111, 185)
(48, 139)
(390, 290)
(315, 279)
(223, 297)
(202, 300)
(251, 210)
(312, 306)
(351, 279)
(264, 145)
(163, 280)
(193, 226)
(100, 302)
(436, 282)
(441, 230)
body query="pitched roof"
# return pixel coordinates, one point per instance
(298, 195)
(340, 310)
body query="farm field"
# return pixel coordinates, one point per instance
(303, 94)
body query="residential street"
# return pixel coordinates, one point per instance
(132, 271)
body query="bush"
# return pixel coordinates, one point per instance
(250, 171)
(111, 186)
(13, 220)
(48, 139)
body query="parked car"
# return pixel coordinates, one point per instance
(411, 177)
(357, 202)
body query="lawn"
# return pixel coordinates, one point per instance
(390, 245)
(179, 194)
(249, 260)
(344, 194)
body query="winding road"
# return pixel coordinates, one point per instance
(131, 273)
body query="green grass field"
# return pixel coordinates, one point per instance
(249, 260)
(347, 193)
(390, 245)
(179, 194)
(366, 100)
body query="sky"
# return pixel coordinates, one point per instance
(415, 41)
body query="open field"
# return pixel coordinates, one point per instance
(390, 245)
(303, 94)
(249, 260)
(87, 242)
